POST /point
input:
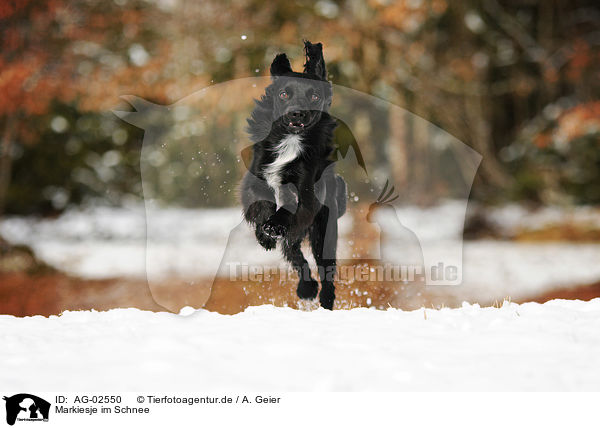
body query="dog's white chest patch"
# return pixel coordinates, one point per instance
(288, 149)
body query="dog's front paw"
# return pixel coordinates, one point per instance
(265, 240)
(307, 290)
(327, 297)
(274, 229)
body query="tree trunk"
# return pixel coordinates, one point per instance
(398, 148)
(491, 169)
(6, 160)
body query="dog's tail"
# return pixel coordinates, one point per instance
(341, 195)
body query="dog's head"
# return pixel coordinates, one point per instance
(294, 102)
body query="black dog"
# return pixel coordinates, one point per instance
(291, 190)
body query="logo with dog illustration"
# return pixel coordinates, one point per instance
(26, 407)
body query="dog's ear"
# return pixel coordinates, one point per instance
(315, 63)
(280, 65)
(246, 155)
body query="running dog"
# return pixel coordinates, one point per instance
(291, 190)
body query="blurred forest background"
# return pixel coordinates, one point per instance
(517, 80)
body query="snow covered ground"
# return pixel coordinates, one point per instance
(107, 242)
(512, 217)
(554, 346)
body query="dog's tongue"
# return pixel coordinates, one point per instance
(297, 124)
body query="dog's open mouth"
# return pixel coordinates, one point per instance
(296, 127)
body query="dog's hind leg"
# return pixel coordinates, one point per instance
(323, 240)
(308, 288)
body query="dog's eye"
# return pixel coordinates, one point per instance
(283, 95)
(314, 97)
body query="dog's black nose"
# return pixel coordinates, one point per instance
(299, 115)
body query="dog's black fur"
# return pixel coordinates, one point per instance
(304, 197)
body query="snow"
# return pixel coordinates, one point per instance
(513, 217)
(501, 269)
(102, 242)
(554, 346)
